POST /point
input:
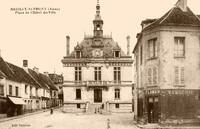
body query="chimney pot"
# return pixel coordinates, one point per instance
(25, 63)
(46, 73)
(182, 4)
(36, 70)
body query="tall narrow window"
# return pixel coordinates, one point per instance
(16, 91)
(31, 90)
(78, 74)
(1, 90)
(26, 86)
(10, 89)
(141, 55)
(152, 48)
(78, 93)
(117, 74)
(117, 93)
(43, 92)
(97, 73)
(179, 76)
(152, 76)
(179, 46)
(36, 91)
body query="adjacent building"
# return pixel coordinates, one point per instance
(58, 82)
(97, 73)
(167, 68)
(23, 90)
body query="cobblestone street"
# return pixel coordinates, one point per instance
(61, 120)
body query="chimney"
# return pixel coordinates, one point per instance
(182, 4)
(68, 46)
(128, 45)
(46, 74)
(25, 63)
(36, 70)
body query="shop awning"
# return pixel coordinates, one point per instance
(17, 101)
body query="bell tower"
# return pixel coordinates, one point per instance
(98, 23)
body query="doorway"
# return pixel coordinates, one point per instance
(152, 110)
(97, 95)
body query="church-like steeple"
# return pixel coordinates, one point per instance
(98, 22)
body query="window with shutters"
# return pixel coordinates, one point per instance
(152, 48)
(78, 76)
(179, 46)
(152, 74)
(179, 76)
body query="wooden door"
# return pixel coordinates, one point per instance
(97, 95)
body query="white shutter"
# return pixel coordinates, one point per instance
(155, 76)
(176, 75)
(182, 75)
(149, 77)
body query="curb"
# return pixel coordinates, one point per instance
(28, 114)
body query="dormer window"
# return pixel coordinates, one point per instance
(78, 54)
(117, 54)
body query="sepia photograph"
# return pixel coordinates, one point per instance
(100, 64)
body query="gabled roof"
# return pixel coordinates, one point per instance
(23, 75)
(177, 17)
(2, 74)
(15, 73)
(44, 81)
(8, 72)
(57, 79)
(107, 47)
(48, 81)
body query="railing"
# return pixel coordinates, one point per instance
(98, 83)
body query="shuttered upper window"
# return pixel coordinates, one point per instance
(179, 76)
(152, 76)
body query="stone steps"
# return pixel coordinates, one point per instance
(94, 108)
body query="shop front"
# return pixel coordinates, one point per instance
(15, 106)
(170, 106)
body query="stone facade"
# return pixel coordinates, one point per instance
(97, 71)
(167, 68)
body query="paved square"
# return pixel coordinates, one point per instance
(60, 120)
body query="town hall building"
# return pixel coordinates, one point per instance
(97, 73)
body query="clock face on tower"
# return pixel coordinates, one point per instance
(97, 53)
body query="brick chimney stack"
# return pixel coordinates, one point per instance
(25, 63)
(68, 46)
(128, 45)
(182, 4)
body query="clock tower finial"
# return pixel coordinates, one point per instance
(98, 22)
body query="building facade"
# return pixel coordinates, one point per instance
(167, 72)
(23, 90)
(97, 74)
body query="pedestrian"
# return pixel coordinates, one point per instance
(51, 111)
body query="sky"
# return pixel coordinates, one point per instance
(41, 38)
